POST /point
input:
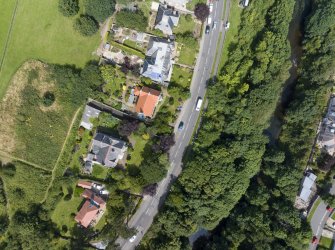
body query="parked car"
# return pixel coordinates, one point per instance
(199, 104)
(207, 29)
(329, 208)
(133, 238)
(227, 25)
(181, 126)
(210, 8)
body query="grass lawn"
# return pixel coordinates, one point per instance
(133, 44)
(326, 243)
(27, 186)
(190, 5)
(136, 155)
(187, 55)
(182, 76)
(314, 207)
(231, 34)
(6, 13)
(65, 210)
(185, 24)
(41, 32)
(100, 171)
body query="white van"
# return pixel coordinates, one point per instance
(209, 20)
(199, 103)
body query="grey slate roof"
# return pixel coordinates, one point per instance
(166, 19)
(307, 186)
(106, 150)
(89, 113)
(158, 64)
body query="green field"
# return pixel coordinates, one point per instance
(65, 210)
(26, 186)
(136, 155)
(40, 32)
(326, 243)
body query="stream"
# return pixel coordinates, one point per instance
(295, 38)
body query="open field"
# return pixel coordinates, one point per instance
(28, 121)
(40, 32)
(25, 186)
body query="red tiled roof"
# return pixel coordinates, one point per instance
(87, 214)
(88, 194)
(84, 184)
(147, 101)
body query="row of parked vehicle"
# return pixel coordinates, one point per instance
(213, 24)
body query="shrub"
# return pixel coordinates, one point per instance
(99, 9)
(132, 19)
(48, 99)
(201, 11)
(86, 25)
(68, 7)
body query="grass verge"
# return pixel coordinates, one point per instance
(313, 209)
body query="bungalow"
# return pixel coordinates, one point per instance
(166, 19)
(158, 61)
(92, 210)
(89, 113)
(106, 150)
(85, 184)
(308, 186)
(147, 100)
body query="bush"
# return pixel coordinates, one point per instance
(201, 11)
(48, 99)
(99, 9)
(86, 25)
(131, 19)
(68, 7)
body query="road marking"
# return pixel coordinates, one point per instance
(317, 231)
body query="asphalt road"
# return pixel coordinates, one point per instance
(144, 215)
(318, 222)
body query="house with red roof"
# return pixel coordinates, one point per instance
(85, 184)
(147, 100)
(92, 210)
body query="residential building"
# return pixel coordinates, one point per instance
(158, 61)
(308, 186)
(92, 210)
(166, 19)
(146, 101)
(89, 113)
(326, 137)
(85, 184)
(106, 150)
(177, 4)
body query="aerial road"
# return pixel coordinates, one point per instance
(144, 215)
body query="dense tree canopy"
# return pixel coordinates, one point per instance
(231, 141)
(201, 11)
(99, 9)
(132, 19)
(68, 7)
(86, 25)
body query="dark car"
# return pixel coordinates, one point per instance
(181, 126)
(207, 29)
